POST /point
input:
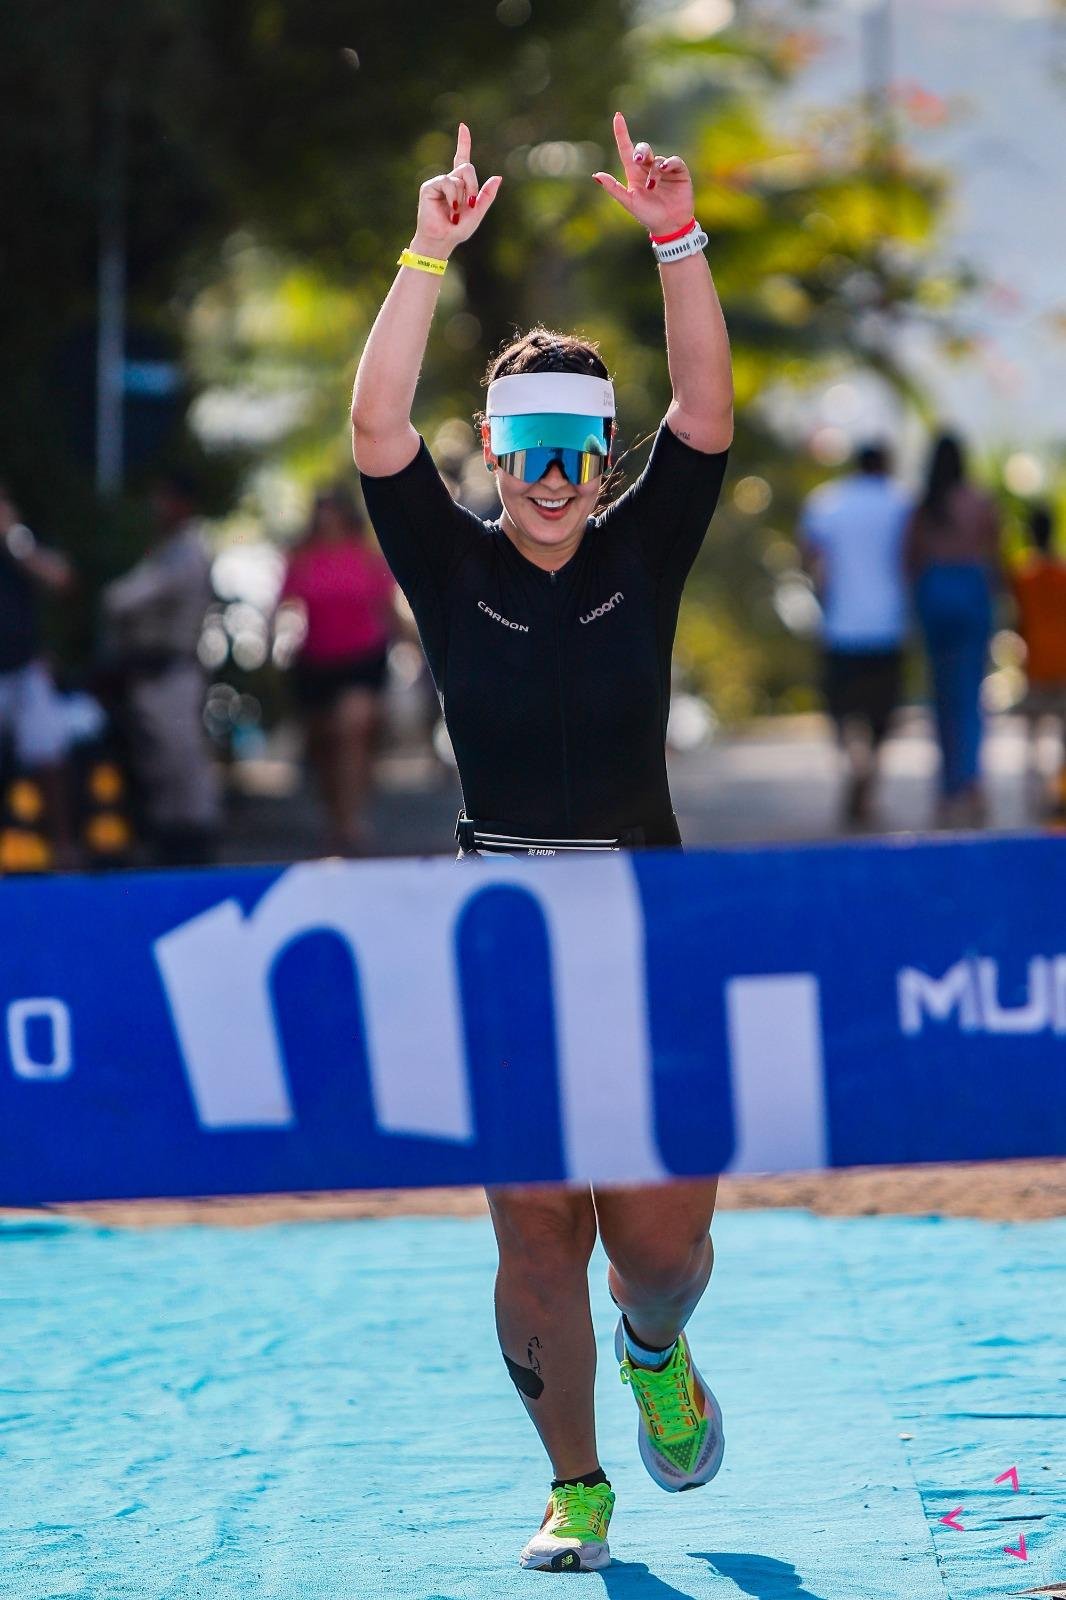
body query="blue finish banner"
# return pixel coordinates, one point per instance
(601, 1018)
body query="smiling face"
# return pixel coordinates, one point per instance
(548, 392)
(547, 519)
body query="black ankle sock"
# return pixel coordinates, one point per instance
(590, 1480)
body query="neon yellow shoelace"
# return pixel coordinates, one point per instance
(583, 1513)
(665, 1397)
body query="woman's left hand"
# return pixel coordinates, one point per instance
(657, 190)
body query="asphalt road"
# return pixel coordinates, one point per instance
(780, 780)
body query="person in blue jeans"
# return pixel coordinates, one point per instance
(953, 560)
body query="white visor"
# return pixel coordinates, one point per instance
(524, 393)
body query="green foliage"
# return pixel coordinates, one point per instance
(275, 149)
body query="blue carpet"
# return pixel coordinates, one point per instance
(320, 1410)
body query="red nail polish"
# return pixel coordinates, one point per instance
(651, 183)
(597, 180)
(455, 217)
(473, 201)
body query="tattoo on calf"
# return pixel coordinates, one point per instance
(527, 1380)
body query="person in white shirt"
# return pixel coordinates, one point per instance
(153, 616)
(852, 539)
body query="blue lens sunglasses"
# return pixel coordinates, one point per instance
(581, 446)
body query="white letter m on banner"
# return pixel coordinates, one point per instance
(399, 921)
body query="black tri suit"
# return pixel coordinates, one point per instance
(555, 686)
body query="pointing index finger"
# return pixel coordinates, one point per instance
(624, 143)
(462, 146)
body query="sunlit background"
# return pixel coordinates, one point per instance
(203, 207)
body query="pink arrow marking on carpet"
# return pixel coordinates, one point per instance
(1012, 1474)
(1009, 1550)
(950, 1520)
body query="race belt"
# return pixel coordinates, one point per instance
(491, 838)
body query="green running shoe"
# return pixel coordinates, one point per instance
(680, 1429)
(573, 1535)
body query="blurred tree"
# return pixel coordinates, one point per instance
(275, 148)
(300, 124)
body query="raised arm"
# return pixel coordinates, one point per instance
(450, 208)
(658, 193)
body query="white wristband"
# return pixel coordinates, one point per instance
(690, 244)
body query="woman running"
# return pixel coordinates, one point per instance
(549, 634)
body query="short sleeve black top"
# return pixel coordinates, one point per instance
(555, 686)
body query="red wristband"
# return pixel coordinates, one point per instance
(668, 238)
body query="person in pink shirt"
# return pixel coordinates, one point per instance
(346, 594)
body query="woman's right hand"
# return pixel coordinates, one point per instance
(451, 206)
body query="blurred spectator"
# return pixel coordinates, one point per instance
(851, 536)
(1040, 593)
(347, 595)
(953, 562)
(30, 712)
(153, 617)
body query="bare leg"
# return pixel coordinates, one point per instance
(860, 756)
(356, 720)
(660, 1253)
(322, 759)
(54, 786)
(1058, 780)
(545, 1239)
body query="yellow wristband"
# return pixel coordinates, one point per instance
(409, 258)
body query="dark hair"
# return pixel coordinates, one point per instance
(947, 469)
(343, 503)
(1041, 527)
(541, 350)
(874, 457)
